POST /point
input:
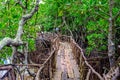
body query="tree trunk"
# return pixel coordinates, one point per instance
(111, 36)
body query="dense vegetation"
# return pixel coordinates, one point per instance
(30, 35)
(85, 20)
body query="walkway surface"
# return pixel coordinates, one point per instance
(66, 66)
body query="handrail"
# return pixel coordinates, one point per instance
(43, 65)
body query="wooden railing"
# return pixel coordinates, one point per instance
(7, 73)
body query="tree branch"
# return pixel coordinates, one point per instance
(7, 42)
(24, 19)
(113, 74)
(101, 16)
(93, 70)
(21, 4)
(104, 12)
(117, 15)
(43, 65)
(88, 75)
(17, 41)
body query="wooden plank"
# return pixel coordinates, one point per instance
(69, 65)
(66, 66)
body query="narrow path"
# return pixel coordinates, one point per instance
(66, 66)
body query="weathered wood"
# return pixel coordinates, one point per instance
(66, 66)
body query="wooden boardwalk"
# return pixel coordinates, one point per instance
(66, 66)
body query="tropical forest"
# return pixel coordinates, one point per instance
(59, 39)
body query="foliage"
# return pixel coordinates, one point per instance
(77, 14)
(92, 16)
(85, 18)
(9, 19)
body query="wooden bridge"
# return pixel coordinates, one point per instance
(66, 65)
(64, 61)
(59, 58)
